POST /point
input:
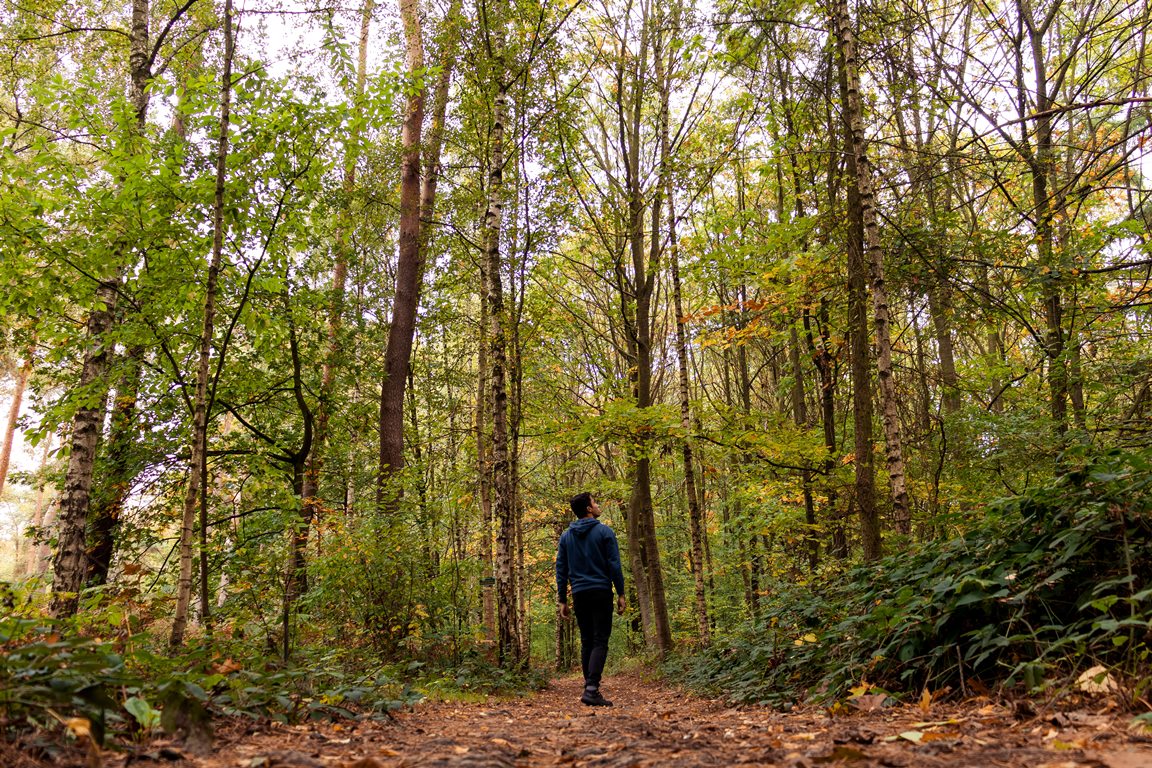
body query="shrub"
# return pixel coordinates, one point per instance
(1045, 583)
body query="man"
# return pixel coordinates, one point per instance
(588, 559)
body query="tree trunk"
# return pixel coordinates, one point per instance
(13, 416)
(409, 272)
(311, 504)
(503, 503)
(644, 270)
(198, 464)
(70, 562)
(108, 502)
(853, 113)
(696, 528)
(484, 471)
(825, 368)
(865, 488)
(39, 555)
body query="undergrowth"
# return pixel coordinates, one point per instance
(55, 678)
(1045, 585)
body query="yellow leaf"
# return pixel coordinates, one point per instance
(80, 727)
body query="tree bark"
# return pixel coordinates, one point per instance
(409, 272)
(311, 504)
(70, 562)
(198, 464)
(858, 273)
(20, 385)
(890, 416)
(108, 501)
(644, 270)
(503, 507)
(696, 530)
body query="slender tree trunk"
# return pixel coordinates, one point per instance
(409, 273)
(39, 555)
(484, 471)
(865, 489)
(13, 416)
(695, 512)
(311, 504)
(893, 442)
(503, 502)
(518, 289)
(198, 464)
(644, 270)
(825, 368)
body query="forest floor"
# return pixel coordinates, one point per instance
(655, 725)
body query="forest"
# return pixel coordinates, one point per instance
(314, 315)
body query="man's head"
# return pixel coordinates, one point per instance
(583, 505)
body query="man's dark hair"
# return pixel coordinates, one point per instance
(580, 503)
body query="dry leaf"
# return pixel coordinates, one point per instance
(842, 754)
(869, 702)
(926, 701)
(1096, 680)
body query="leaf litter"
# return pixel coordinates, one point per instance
(655, 725)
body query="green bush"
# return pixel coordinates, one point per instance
(1045, 583)
(50, 673)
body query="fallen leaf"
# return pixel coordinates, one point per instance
(926, 701)
(934, 736)
(1064, 745)
(841, 754)
(1096, 680)
(869, 702)
(913, 736)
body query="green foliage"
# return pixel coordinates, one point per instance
(1053, 579)
(49, 672)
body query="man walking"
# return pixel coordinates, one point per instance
(588, 559)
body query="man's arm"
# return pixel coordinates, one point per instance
(612, 555)
(562, 572)
(562, 578)
(616, 571)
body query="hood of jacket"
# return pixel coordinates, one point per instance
(582, 526)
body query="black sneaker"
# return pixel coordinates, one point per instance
(594, 699)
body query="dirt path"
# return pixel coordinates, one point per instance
(656, 726)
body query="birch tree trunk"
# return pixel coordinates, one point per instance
(70, 564)
(503, 507)
(875, 258)
(198, 464)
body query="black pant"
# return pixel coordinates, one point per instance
(593, 609)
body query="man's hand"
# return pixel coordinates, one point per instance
(621, 605)
(565, 611)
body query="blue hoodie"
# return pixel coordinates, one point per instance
(588, 557)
